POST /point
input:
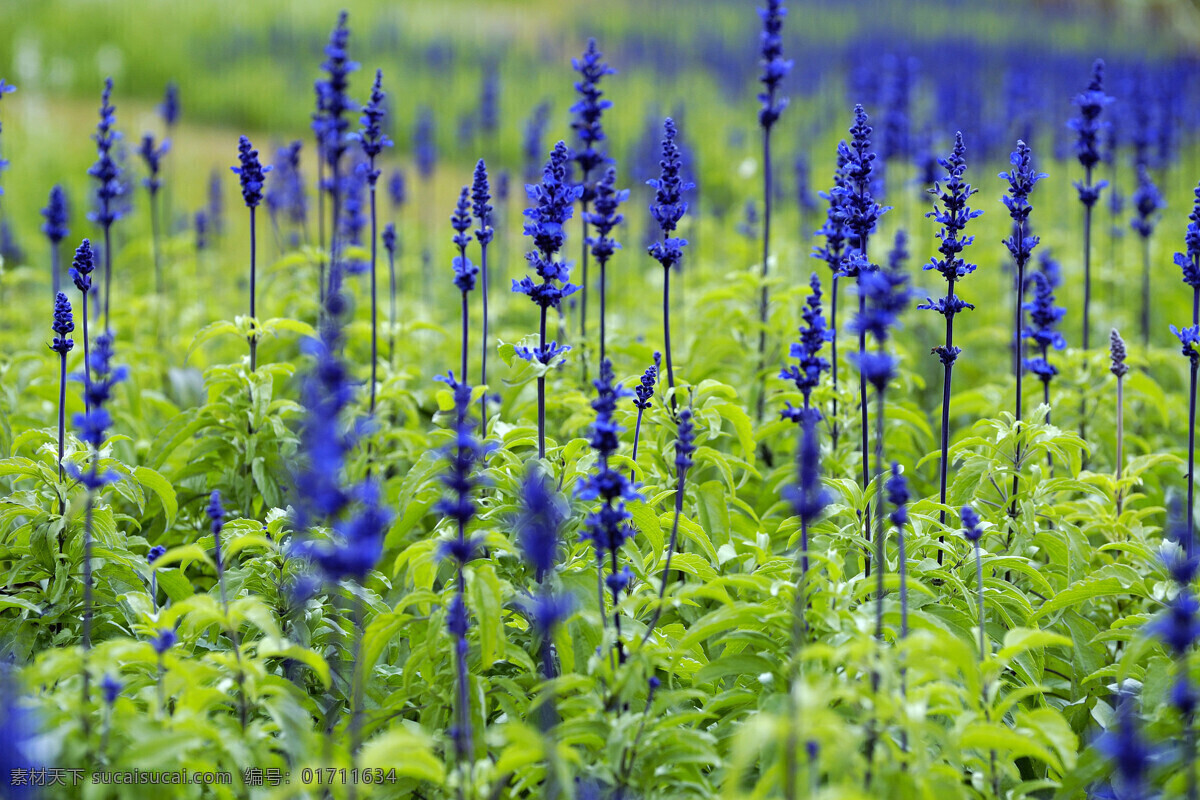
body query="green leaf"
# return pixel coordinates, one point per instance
(156, 483)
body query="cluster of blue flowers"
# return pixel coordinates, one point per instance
(553, 204)
(531, 142)
(774, 66)
(806, 373)
(1088, 125)
(287, 194)
(251, 173)
(460, 220)
(152, 155)
(953, 216)
(886, 295)
(355, 513)
(607, 198)
(333, 103)
(64, 324)
(481, 207)
(588, 110)
(371, 136)
(605, 528)
(109, 187)
(1148, 202)
(856, 161)
(56, 215)
(669, 206)
(424, 144)
(1021, 180)
(1044, 317)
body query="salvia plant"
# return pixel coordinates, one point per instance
(774, 69)
(806, 372)
(604, 217)
(152, 155)
(553, 203)
(373, 142)
(464, 270)
(1119, 369)
(833, 253)
(953, 216)
(1189, 339)
(685, 448)
(1088, 126)
(110, 187)
(481, 210)
(862, 215)
(1021, 180)
(463, 454)
(56, 229)
(1149, 203)
(1044, 319)
(668, 209)
(252, 175)
(590, 155)
(331, 126)
(92, 429)
(605, 527)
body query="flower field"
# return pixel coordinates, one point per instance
(704, 399)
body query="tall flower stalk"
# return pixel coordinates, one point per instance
(55, 228)
(897, 497)
(152, 155)
(481, 209)
(953, 216)
(1021, 180)
(373, 141)
(806, 372)
(862, 215)
(808, 499)
(685, 446)
(110, 188)
(668, 209)
(1118, 367)
(774, 69)
(331, 124)
(973, 531)
(884, 297)
(82, 267)
(64, 324)
(1044, 318)
(1149, 203)
(833, 253)
(1189, 339)
(216, 516)
(353, 512)
(553, 203)
(92, 428)
(464, 270)
(590, 156)
(464, 453)
(643, 396)
(390, 244)
(1178, 627)
(604, 219)
(541, 516)
(1088, 125)
(252, 175)
(605, 528)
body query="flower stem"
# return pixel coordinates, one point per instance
(667, 335)
(392, 309)
(541, 389)
(763, 296)
(603, 262)
(1145, 291)
(833, 360)
(374, 296)
(945, 444)
(253, 293)
(866, 464)
(483, 342)
(1120, 439)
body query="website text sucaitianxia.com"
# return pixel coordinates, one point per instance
(59, 776)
